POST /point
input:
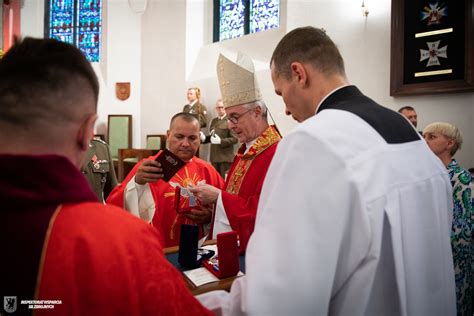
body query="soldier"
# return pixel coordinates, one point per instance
(98, 168)
(222, 140)
(195, 107)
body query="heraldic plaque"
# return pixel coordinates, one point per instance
(122, 90)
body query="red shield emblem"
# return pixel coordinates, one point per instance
(122, 90)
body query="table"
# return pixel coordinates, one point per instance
(171, 254)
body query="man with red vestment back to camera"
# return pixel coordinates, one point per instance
(145, 194)
(236, 204)
(60, 246)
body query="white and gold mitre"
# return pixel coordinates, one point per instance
(237, 81)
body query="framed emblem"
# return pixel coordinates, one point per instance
(432, 47)
(122, 90)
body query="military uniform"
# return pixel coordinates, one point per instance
(199, 110)
(222, 154)
(99, 169)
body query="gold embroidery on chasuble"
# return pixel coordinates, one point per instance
(187, 199)
(269, 137)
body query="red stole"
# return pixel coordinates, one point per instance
(245, 179)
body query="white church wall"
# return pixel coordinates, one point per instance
(122, 62)
(365, 46)
(169, 48)
(164, 62)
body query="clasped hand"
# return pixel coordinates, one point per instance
(215, 139)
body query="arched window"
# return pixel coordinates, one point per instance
(234, 18)
(78, 22)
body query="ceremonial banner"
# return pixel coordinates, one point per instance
(122, 90)
(432, 48)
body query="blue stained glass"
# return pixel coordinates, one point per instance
(231, 22)
(264, 15)
(88, 36)
(61, 20)
(78, 22)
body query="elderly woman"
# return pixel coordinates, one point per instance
(444, 140)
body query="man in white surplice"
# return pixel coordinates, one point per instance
(355, 212)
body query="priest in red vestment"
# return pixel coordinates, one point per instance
(236, 204)
(63, 252)
(145, 194)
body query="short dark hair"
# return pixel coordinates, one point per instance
(44, 80)
(187, 117)
(307, 45)
(408, 108)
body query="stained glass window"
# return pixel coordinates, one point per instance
(78, 22)
(231, 19)
(264, 15)
(234, 18)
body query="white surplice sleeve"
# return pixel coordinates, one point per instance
(138, 200)
(221, 222)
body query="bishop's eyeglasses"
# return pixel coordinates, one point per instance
(234, 118)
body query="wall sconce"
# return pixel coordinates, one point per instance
(365, 10)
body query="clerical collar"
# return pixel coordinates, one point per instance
(192, 103)
(222, 117)
(327, 95)
(249, 144)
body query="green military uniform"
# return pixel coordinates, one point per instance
(199, 111)
(99, 169)
(222, 154)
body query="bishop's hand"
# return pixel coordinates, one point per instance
(205, 193)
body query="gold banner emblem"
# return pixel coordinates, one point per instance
(122, 90)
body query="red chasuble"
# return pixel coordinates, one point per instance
(166, 220)
(245, 179)
(98, 260)
(60, 245)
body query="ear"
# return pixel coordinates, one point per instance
(258, 110)
(168, 133)
(86, 132)
(450, 144)
(298, 72)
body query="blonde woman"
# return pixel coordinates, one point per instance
(445, 140)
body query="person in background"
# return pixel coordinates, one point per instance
(445, 140)
(355, 211)
(195, 107)
(58, 242)
(222, 141)
(146, 195)
(99, 170)
(410, 113)
(236, 203)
